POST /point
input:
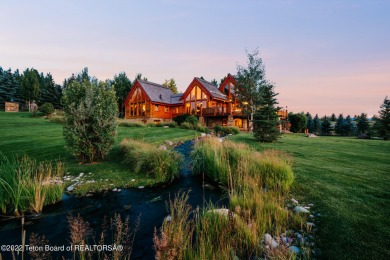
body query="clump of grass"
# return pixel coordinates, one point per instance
(141, 157)
(256, 184)
(57, 119)
(28, 185)
(229, 163)
(175, 236)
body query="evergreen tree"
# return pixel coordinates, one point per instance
(214, 82)
(384, 119)
(348, 127)
(363, 125)
(316, 124)
(325, 126)
(309, 124)
(50, 92)
(122, 85)
(333, 118)
(266, 120)
(9, 87)
(139, 76)
(30, 86)
(339, 127)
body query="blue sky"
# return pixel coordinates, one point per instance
(323, 56)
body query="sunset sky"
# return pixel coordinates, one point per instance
(323, 56)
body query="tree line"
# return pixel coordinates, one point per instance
(359, 125)
(34, 86)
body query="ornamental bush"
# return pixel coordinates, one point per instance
(90, 119)
(47, 109)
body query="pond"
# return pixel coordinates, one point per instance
(150, 204)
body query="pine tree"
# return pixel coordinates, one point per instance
(362, 124)
(384, 119)
(339, 127)
(309, 124)
(122, 85)
(316, 124)
(266, 120)
(333, 118)
(348, 126)
(325, 126)
(30, 85)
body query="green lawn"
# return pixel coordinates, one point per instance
(348, 180)
(43, 140)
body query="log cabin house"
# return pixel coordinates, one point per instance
(149, 102)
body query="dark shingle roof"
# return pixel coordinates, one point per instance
(159, 93)
(214, 91)
(175, 99)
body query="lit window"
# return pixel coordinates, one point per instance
(166, 109)
(155, 107)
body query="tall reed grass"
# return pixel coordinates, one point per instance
(141, 157)
(257, 184)
(28, 186)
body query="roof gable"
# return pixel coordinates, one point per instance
(209, 88)
(229, 79)
(155, 92)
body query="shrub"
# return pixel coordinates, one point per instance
(180, 119)
(193, 120)
(150, 125)
(217, 129)
(226, 130)
(90, 119)
(202, 129)
(47, 109)
(141, 157)
(186, 125)
(172, 124)
(130, 124)
(159, 125)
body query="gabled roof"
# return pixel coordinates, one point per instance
(212, 90)
(156, 93)
(228, 79)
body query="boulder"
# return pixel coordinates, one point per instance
(294, 201)
(299, 209)
(163, 147)
(170, 143)
(269, 241)
(294, 249)
(70, 188)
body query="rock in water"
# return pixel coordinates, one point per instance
(70, 188)
(299, 209)
(294, 249)
(269, 241)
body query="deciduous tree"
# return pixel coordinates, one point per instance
(122, 85)
(90, 109)
(171, 84)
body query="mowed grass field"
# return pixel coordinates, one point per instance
(348, 180)
(20, 134)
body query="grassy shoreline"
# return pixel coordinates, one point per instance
(42, 140)
(347, 179)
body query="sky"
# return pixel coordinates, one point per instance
(323, 56)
